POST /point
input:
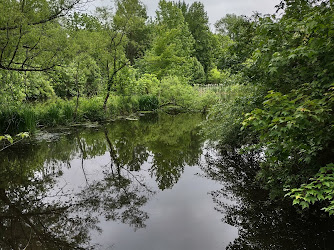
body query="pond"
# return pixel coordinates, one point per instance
(155, 183)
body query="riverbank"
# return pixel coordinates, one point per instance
(30, 117)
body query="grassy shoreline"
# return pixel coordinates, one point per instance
(58, 112)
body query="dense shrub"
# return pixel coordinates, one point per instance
(91, 109)
(148, 102)
(225, 117)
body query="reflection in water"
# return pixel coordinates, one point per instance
(62, 189)
(29, 222)
(262, 223)
(118, 195)
(42, 209)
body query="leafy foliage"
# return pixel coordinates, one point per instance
(12, 140)
(172, 46)
(320, 188)
(198, 24)
(291, 59)
(225, 117)
(148, 102)
(294, 127)
(31, 39)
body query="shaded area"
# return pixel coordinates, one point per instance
(30, 220)
(262, 223)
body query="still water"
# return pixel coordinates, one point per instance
(151, 184)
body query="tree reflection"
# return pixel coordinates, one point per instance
(174, 143)
(38, 212)
(262, 223)
(31, 220)
(119, 195)
(116, 198)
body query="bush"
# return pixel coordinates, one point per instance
(148, 103)
(214, 76)
(91, 109)
(224, 119)
(296, 136)
(175, 92)
(207, 100)
(147, 85)
(128, 105)
(50, 114)
(19, 118)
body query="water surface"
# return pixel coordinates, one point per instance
(149, 184)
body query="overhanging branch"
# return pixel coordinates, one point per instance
(61, 12)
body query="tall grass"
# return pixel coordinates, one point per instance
(91, 109)
(30, 116)
(29, 119)
(148, 102)
(50, 114)
(68, 112)
(225, 117)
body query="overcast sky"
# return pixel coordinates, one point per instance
(216, 9)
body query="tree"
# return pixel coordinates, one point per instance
(241, 30)
(198, 23)
(110, 52)
(172, 47)
(31, 38)
(80, 70)
(295, 121)
(132, 15)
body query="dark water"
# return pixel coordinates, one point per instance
(148, 184)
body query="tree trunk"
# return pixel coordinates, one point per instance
(76, 106)
(106, 101)
(78, 95)
(110, 82)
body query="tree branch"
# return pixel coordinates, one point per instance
(27, 69)
(62, 11)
